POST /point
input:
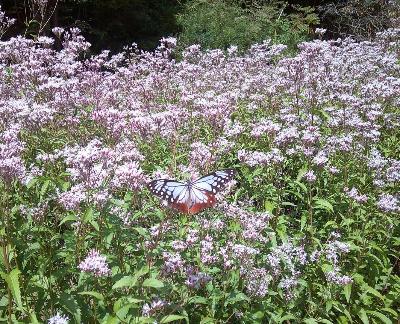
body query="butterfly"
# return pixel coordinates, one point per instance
(192, 196)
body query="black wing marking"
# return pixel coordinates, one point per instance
(215, 181)
(169, 190)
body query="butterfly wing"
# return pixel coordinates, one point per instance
(175, 193)
(194, 197)
(216, 181)
(204, 189)
(200, 199)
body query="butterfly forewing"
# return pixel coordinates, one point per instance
(216, 181)
(168, 190)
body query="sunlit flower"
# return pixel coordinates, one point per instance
(96, 264)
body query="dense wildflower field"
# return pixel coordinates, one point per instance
(308, 231)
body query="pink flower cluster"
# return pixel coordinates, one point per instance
(96, 264)
(332, 251)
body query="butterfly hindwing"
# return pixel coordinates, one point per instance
(200, 199)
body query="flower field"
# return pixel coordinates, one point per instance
(308, 231)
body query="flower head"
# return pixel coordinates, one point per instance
(95, 264)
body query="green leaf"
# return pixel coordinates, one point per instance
(373, 291)
(170, 318)
(207, 320)
(93, 294)
(13, 284)
(32, 182)
(126, 281)
(382, 317)
(132, 300)
(110, 320)
(88, 215)
(301, 173)
(363, 316)
(288, 203)
(123, 311)
(141, 231)
(33, 318)
(328, 306)
(287, 318)
(153, 282)
(123, 302)
(347, 292)
(301, 185)
(391, 311)
(323, 204)
(198, 300)
(269, 206)
(325, 321)
(70, 304)
(257, 315)
(44, 188)
(310, 321)
(144, 320)
(69, 218)
(303, 221)
(94, 224)
(236, 297)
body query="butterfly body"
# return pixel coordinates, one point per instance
(192, 196)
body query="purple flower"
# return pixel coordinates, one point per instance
(257, 281)
(201, 155)
(243, 252)
(192, 237)
(376, 161)
(288, 284)
(388, 203)
(172, 263)
(129, 174)
(207, 255)
(265, 127)
(335, 277)
(72, 199)
(320, 159)
(156, 306)
(333, 170)
(310, 176)
(286, 258)
(96, 264)
(58, 319)
(259, 158)
(196, 279)
(355, 195)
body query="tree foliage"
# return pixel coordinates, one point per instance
(219, 24)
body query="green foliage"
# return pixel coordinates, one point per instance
(220, 24)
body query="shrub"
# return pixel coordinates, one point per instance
(219, 24)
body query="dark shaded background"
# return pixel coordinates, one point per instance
(107, 24)
(112, 24)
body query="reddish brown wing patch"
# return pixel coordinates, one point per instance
(197, 207)
(182, 207)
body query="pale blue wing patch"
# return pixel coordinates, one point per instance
(168, 190)
(214, 182)
(198, 196)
